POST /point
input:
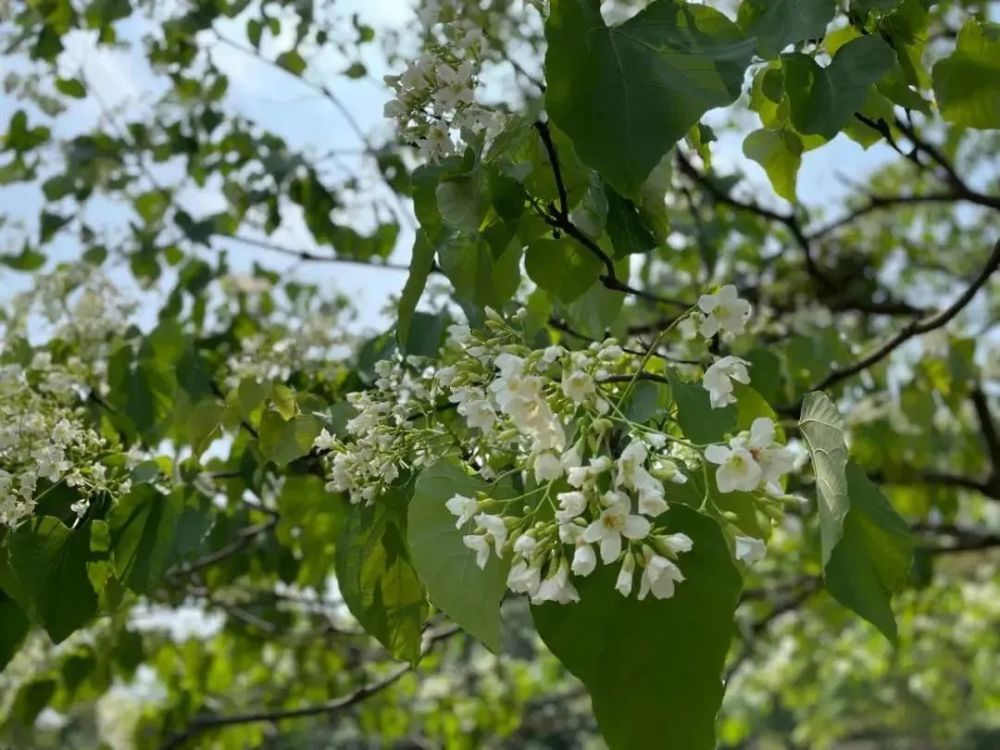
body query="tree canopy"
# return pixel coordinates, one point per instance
(679, 429)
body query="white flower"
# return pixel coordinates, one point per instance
(324, 441)
(445, 376)
(577, 385)
(524, 578)
(552, 353)
(724, 311)
(547, 467)
(571, 504)
(463, 507)
(775, 460)
(477, 410)
(525, 545)
(719, 376)
(750, 549)
(737, 468)
(584, 560)
(437, 142)
(557, 587)
(675, 544)
(572, 458)
(624, 583)
(615, 522)
(495, 528)
(478, 544)
(659, 576)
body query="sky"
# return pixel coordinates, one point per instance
(290, 108)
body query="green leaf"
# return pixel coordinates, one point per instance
(778, 23)
(152, 206)
(292, 61)
(699, 421)
(779, 152)
(626, 94)
(625, 226)
(562, 267)
(483, 275)
(460, 203)
(142, 536)
(823, 100)
(653, 667)
(468, 595)
(310, 521)
(599, 308)
(49, 224)
(71, 87)
(967, 84)
(28, 260)
(377, 579)
(14, 626)
(873, 557)
(823, 431)
(283, 440)
(421, 263)
(49, 562)
(646, 399)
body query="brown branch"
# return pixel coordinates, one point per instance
(309, 256)
(881, 203)
(790, 221)
(917, 327)
(920, 144)
(558, 217)
(237, 545)
(991, 439)
(200, 725)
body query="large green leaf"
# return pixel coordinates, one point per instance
(967, 84)
(823, 100)
(469, 595)
(626, 227)
(699, 421)
(625, 94)
(483, 276)
(421, 263)
(652, 667)
(872, 559)
(376, 576)
(562, 267)
(143, 528)
(823, 430)
(283, 440)
(778, 23)
(779, 152)
(49, 562)
(14, 626)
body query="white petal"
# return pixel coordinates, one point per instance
(636, 527)
(611, 547)
(717, 454)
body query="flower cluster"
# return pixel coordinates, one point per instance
(435, 96)
(44, 441)
(576, 482)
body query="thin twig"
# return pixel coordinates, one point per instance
(558, 217)
(917, 327)
(206, 723)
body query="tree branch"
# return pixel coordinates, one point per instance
(204, 724)
(917, 327)
(558, 217)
